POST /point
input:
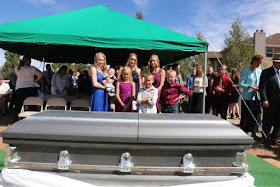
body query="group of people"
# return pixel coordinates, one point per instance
(260, 91)
(160, 91)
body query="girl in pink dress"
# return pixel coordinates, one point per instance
(154, 68)
(125, 91)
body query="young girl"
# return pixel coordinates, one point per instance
(125, 91)
(135, 71)
(159, 74)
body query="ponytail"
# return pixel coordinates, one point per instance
(23, 60)
(21, 63)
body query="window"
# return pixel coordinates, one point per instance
(269, 52)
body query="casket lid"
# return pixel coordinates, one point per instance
(127, 128)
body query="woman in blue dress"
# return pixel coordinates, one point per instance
(99, 96)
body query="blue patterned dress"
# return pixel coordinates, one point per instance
(99, 97)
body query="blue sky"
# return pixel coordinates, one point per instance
(211, 17)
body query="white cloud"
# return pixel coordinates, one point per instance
(141, 3)
(213, 18)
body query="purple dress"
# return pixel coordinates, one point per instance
(125, 95)
(156, 83)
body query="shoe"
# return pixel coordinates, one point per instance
(237, 115)
(231, 116)
(258, 139)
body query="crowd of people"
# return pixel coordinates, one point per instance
(160, 90)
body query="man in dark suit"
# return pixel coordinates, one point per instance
(270, 95)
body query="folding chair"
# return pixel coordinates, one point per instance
(31, 101)
(80, 103)
(56, 103)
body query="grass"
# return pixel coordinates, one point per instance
(3, 154)
(264, 173)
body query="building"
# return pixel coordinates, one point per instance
(266, 46)
(213, 57)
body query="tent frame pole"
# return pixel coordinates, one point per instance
(204, 83)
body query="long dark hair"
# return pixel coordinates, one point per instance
(23, 60)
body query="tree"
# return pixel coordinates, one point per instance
(139, 15)
(238, 46)
(188, 64)
(75, 67)
(12, 61)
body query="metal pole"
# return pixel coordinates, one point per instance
(204, 83)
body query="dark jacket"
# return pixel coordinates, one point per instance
(269, 86)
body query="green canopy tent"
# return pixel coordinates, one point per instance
(75, 37)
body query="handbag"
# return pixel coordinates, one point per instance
(255, 105)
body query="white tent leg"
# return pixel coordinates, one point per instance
(204, 83)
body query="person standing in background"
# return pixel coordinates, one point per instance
(189, 86)
(234, 108)
(270, 96)
(249, 82)
(25, 86)
(222, 87)
(197, 101)
(209, 96)
(48, 75)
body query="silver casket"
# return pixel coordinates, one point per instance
(128, 148)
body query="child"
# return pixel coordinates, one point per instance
(147, 96)
(125, 91)
(170, 94)
(110, 77)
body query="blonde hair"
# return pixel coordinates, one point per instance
(201, 74)
(136, 62)
(22, 62)
(149, 75)
(104, 68)
(150, 68)
(171, 71)
(126, 68)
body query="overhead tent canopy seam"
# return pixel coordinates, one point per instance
(76, 36)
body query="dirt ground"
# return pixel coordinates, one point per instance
(269, 154)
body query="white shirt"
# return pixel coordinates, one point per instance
(150, 106)
(4, 88)
(25, 77)
(277, 72)
(59, 83)
(199, 81)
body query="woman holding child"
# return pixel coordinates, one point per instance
(99, 97)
